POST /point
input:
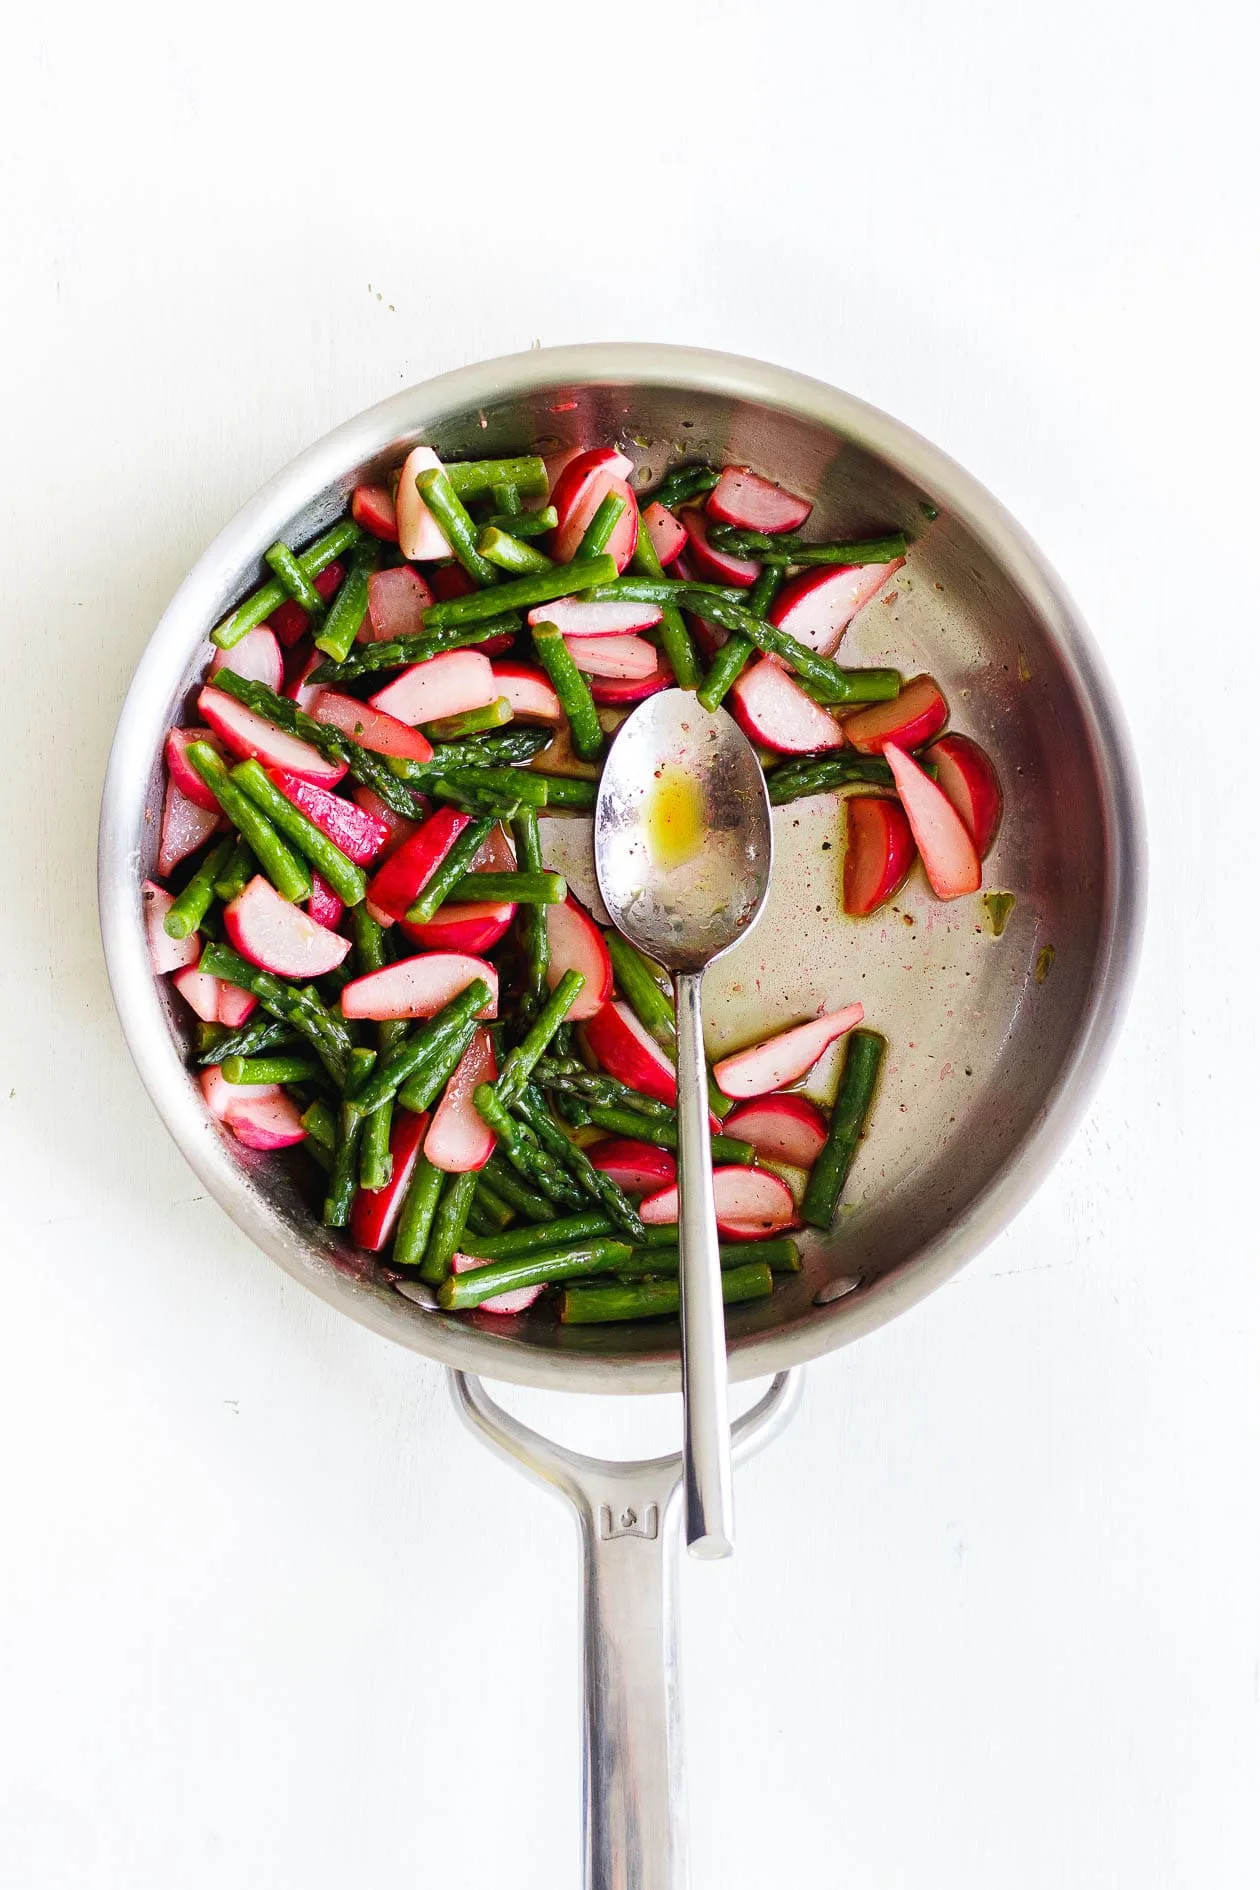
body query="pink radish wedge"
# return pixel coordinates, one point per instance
(384, 734)
(580, 489)
(968, 780)
(744, 498)
(165, 953)
(397, 827)
(248, 734)
(788, 1129)
(185, 827)
(817, 607)
(289, 621)
(528, 691)
(267, 1122)
(714, 566)
(279, 937)
(445, 685)
(256, 656)
(458, 1140)
(911, 719)
(617, 659)
(636, 1167)
(878, 853)
(324, 905)
(408, 870)
(397, 601)
(419, 534)
(608, 690)
(750, 1203)
(667, 533)
(773, 709)
(517, 1301)
(298, 688)
(235, 1006)
(418, 987)
(182, 772)
(604, 617)
(376, 1210)
(946, 848)
(200, 991)
(222, 1097)
(575, 943)
(784, 1058)
(622, 1047)
(372, 507)
(464, 928)
(358, 833)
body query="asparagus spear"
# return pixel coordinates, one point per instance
(736, 651)
(435, 488)
(347, 880)
(192, 905)
(463, 1290)
(863, 1058)
(604, 522)
(521, 593)
(784, 548)
(572, 688)
(288, 874)
(349, 607)
(258, 607)
(471, 477)
(365, 659)
(510, 553)
(654, 1299)
(685, 482)
(301, 1008)
(675, 636)
(294, 578)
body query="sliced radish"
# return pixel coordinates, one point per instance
(667, 533)
(579, 491)
(495, 854)
(555, 464)
(324, 905)
(712, 565)
(256, 656)
(773, 709)
(619, 659)
(398, 827)
(376, 1210)
(783, 1058)
(817, 606)
(750, 1204)
(531, 695)
(969, 782)
(359, 833)
(165, 953)
(408, 870)
(289, 621)
(248, 734)
(266, 1122)
(517, 1301)
(575, 943)
(911, 719)
(445, 685)
(602, 617)
(947, 849)
(236, 1007)
(781, 1129)
(397, 601)
(182, 772)
(185, 827)
(279, 937)
(464, 928)
(637, 1167)
(622, 1047)
(613, 693)
(458, 1140)
(744, 498)
(200, 990)
(222, 1098)
(297, 688)
(448, 581)
(419, 534)
(878, 852)
(384, 734)
(373, 508)
(418, 987)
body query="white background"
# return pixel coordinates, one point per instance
(267, 1617)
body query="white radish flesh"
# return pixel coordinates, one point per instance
(945, 847)
(185, 827)
(774, 710)
(420, 537)
(817, 606)
(446, 685)
(199, 990)
(575, 943)
(257, 656)
(627, 659)
(600, 617)
(165, 954)
(458, 1139)
(418, 987)
(783, 1058)
(280, 937)
(754, 504)
(250, 735)
(749, 1203)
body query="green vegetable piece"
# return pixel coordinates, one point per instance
(636, 980)
(429, 1044)
(449, 871)
(288, 874)
(569, 790)
(368, 659)
(415, 1221)
(448, 1226)
(257, 608)
(863, 1059)
(724, 1148)
(509, 553)
(520, 593)
(345, 1168)
(321, 1125)
(457, 728)
(376, 1164)
(532, 1107)
(238, 1069)
(784, 548)
(685, 482)
(522, 1242)
(192, 905)
(735, 652)
(526, 524)
(675, 637)
(290, 573)
(520, 1062)
(299, 1008)
(573, 690)
(654, 1299)
(535, 1164)
(999, 907)
(347, 880)
(781, 1256)
(258, 1035)
(237, 874)
(448, 509)
(519, 889)
(493, 1208)
(348, 609)
(464, 1290)
(507, 497)
(516, 1192)
(531, 920)
(604, 521)
(825, 774)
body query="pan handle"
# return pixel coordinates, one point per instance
(628, 1515)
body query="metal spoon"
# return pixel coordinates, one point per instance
(685, 904)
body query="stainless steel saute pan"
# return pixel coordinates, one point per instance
(995, 1041)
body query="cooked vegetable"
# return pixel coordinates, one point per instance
(863, 1059)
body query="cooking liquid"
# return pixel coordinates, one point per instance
(675, 822)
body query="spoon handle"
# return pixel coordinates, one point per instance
(709, 1519)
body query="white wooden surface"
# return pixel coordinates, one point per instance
(267, 1617)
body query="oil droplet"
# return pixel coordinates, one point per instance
(1045, 958)
(675, 818)
(999, 907)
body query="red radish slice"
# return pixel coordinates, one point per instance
(267, 1122)
(359, 833)
(200, 990)
(712, 565)
(289, 621)
(750, 1204)
(248, 734)
(638, 1167)
(574, 472)
(606, 690)
(878, 852)
(604, 617)
(445, 685)
(744, 498)
(418, 987)
(465, 928)
(324, 905)
(182, 772)
(165, 954)
(531, 695)
(222, 1098)
(619, 659)
(398, 828)
(185, 827)
(667, 533)
(788, 1129)
(918, 713)
(575, 943)
(419, 534)
(947, 849)
(296, 687)
(817, 606)
(257, 656)
(236, 1007)
(774, 710)
(969, 782)
(409, 869)
(622, 1047)
(373, 508)
(784, 1058)
(495, 854)
(580, 490)
(279, 937)
(383, 734)
(448, 581)
(397, 601)
(458, 1140)
(517, 1301)
(376, 1210)
(555, 464)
